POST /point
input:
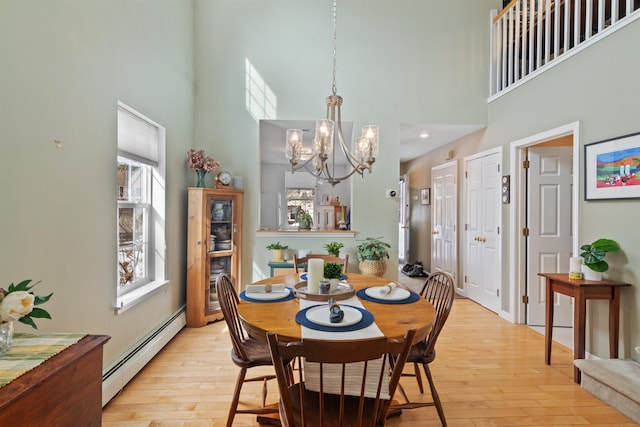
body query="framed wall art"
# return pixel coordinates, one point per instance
(612, 168)
(425, 196)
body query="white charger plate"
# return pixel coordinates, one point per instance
(320, 316)
(379, 292)
(268, 296)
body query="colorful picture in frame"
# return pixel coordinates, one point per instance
(612, 168)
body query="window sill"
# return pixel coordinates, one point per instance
(307, 233)
(130, 299)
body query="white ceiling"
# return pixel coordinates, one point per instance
(412, 146)
(273, 134)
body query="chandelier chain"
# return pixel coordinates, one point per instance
(335, 21)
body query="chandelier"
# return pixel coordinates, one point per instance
(318, 164)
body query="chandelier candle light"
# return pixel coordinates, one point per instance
(366, 146)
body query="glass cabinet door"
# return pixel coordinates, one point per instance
(222, 229)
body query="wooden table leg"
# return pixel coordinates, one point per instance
(579, 320)
(614, 322)
(548, 326)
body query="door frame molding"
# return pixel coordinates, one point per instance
(406, 198)
(517, 211)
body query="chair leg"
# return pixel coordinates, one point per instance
(236, 396)
(416, 368)
(434, 394)
(264, 392)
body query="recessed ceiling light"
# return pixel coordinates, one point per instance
(424, 135)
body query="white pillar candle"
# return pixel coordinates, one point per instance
(575, 265)
(315, 273)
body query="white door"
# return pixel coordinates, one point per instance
(482, 230)
(403, 223)
(550, 241)
(444, 237)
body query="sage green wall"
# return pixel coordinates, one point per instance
(595, 87)
(64, 66)
(408, 60)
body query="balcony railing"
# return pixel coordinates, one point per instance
(529, 35)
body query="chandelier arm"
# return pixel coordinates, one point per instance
(353, 160)
(305, 165)
(336, 116)
(336, 180)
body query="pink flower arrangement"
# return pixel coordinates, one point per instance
(198, 162)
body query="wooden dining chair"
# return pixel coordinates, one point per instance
(327, 402)
(439, 290)
(246, 352)
(327, 258)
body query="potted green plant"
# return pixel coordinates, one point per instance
(593, 257)
(305, 220)
(333, 248)
(333, 272)
(277, 251)
(371, 253)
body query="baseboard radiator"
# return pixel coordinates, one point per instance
(119, 373)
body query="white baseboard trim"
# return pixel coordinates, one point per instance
(119, 373)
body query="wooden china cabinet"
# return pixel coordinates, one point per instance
(214, 242)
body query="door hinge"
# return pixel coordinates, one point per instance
(525, 164)
(525, 232)
(498, 292)
(525, 299)
(498, 168)
(466, 227)
(498, 230)
(465, 278)
(466, 174)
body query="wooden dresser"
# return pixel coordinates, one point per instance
(65, 390)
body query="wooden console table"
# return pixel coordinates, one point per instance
(581, 290)
(65, 390)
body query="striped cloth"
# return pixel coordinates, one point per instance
(30, 350)
(332, 374)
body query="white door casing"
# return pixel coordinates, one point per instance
(515, 311)
(444, 222)
(550, 240)
(403, 220)
(483, 268)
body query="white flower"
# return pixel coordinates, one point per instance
(15, 305)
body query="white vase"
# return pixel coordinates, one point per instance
(589, 274)
(6, 336)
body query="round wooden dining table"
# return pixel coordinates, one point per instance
(394, 320)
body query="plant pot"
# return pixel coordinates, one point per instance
(277, 255)
(589, 274)
(373, 267)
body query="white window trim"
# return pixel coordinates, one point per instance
(127, 300)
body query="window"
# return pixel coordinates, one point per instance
(299, 199)
(140, 215)
(133, 222)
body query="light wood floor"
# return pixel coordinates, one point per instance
(488, 372)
